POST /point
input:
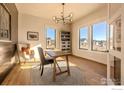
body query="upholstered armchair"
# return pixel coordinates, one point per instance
(25, 52)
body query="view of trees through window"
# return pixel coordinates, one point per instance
(83, 38)
(51, 38)
(99, 36)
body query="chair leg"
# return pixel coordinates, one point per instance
(54, 71)
(68, 65)
(40, 66)
(42, 70)
(58, 66)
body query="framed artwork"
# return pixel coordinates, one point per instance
(32, 35)
(5, 24)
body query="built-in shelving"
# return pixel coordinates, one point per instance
(65, 41)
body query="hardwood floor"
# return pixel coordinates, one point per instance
(94, 73)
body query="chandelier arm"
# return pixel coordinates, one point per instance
(67, 17)
(58, 18)
(63, 9)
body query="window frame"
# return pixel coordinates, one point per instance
(92, 35)
(114, 39)
(54, 37)
(87, 37)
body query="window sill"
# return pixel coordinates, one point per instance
(97, 51)
(83, 49)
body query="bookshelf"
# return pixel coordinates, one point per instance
(65, 41)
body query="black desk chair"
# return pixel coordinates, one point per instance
(45, 61)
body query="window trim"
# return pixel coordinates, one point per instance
(92, 35)
(55, 38)
(87, 37)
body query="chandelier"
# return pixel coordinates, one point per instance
(63, 19)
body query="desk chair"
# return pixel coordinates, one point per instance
(45, 60)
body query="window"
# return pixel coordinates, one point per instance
(111, 39)
(51, 38)
(115, 35)
(99, 36)
(83, 36)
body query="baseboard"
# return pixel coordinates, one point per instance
(88, 59)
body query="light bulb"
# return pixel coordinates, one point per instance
(70, 20)
(71, 15)
(54, 18)
(56, 21)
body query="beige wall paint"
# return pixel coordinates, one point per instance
(37, 24)
(114, 7)
(88, 20)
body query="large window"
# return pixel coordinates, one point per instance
(51, 38)
(99, 36)
(83, 36)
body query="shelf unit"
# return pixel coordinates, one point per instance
(65, 41)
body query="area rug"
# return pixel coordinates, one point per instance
(76, 77)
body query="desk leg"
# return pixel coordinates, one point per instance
(68, 65)
(54, 70)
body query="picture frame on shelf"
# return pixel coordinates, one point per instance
(3, 34)
(32, 36)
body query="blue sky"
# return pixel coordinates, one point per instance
(84, 32)
(99, 31)
(51, 33)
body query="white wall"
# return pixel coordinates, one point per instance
(36, 24)
(87, 21)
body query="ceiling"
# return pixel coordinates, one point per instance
(48, 10)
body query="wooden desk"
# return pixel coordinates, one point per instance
(54, 55)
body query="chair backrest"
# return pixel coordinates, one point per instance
(41, 54)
